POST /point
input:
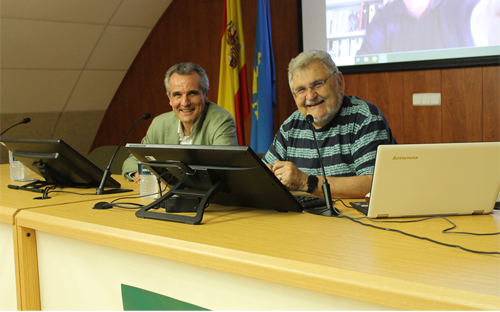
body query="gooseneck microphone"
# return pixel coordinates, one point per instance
(107, 172)
(330, 209)
(25, 120)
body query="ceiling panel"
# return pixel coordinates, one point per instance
(95, 89)
(83, 11)
(143, 13)
(69, 55)
(40, 44)
(118, 47)
(25, 91)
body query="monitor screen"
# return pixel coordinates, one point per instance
(57, 162)
(245, 179)
(384, 35)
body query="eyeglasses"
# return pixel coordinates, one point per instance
(315, 87)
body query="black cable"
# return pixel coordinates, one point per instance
(121, 205)
(416, 236)
(68, 192)
(51, 190)
(113, 203)
(445, 231)
(46, 191)
(419, 220)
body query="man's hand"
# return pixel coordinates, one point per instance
(340, 187)
(290, 175)
(137, 178)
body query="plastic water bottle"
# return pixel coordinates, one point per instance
(18, 172)
(149, 184)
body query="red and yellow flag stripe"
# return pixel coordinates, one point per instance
(233, 93)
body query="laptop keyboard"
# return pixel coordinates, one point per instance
(361, 207)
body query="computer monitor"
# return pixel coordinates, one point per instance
(224, 175)
(57, 162)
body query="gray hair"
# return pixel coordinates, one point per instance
(185, 69)
(304, 59)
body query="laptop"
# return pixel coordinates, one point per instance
(443, 179)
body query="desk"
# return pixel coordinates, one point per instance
(11, 203)
(238, 254)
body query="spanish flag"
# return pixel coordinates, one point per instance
(233, 94)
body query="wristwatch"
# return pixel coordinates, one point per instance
(312, 182)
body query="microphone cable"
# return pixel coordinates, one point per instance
(25, 120)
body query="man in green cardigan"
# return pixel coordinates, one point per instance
(193, 120)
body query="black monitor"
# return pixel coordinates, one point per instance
(224, 175)
(57, 162)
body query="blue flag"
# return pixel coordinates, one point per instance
(264, 81)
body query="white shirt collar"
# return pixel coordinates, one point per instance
(187, 140)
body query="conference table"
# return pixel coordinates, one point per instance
(11, 203)
(73, 257)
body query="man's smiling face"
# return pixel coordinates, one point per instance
(186, 98)
(323, 102)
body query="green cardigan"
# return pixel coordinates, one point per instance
(216, 127)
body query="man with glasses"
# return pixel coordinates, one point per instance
(348, 130)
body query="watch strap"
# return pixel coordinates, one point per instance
(312, 182)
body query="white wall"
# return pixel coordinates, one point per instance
(63, 60)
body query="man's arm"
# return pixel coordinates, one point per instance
(340, 187)
(129, 166)
(226, 133)
(162, 130)
(218, 128)
(346, 187)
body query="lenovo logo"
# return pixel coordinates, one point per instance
(405, 157)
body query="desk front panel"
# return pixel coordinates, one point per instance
(8, 295)
(80, 275)
(11, 202)
(330, 255)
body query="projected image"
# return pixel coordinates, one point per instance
(346, 24)
(384, 31)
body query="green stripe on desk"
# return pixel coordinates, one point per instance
(136, 299)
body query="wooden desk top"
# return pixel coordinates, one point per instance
(325, 254)
(12, 201)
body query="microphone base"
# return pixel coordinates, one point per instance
(321, 211)
(113, 191)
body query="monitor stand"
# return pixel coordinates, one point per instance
(214, 186)
(39, 186)
(34, 186)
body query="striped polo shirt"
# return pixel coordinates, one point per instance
(348, 144)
